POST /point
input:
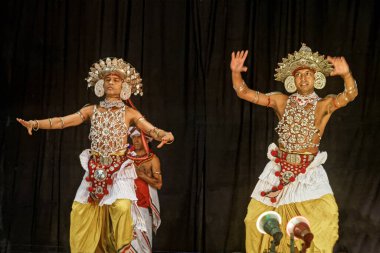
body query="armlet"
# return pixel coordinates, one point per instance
(273, 93)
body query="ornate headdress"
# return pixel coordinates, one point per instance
(304, 58)
(99, 70)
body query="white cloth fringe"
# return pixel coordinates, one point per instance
(155, 206)
(123, 187)
(143, 241)
(311, 185)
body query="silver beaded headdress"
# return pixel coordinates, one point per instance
(103, 67)
(304, 58)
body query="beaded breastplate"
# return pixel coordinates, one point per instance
(297, 129)
(108, 131)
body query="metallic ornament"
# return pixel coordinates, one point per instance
(304, 58)
(99, 88)
(293, 158)
(111, 143)
(110, 104)
(290, 131)
(319, 80)
(104, 67)
(125, 91)
(290, 85)
(100, 175)
(105, 160)
(286, 175)
(98, 190)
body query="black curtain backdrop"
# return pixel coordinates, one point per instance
(182, 49)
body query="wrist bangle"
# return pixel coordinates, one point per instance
(62, 122)
(355, 87)
(169, 142)
(256, 98)
(35, 128)
(241, 88)
(156, 132)
(336, 102)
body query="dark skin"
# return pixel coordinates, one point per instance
(149, 171)
(304, 81)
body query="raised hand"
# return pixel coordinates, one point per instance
(27, 124)
(237, 61)
(341, 67)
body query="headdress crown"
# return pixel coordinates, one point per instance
(300, 59)
(103, 67)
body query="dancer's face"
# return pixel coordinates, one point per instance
(304, 80)
(112, 85)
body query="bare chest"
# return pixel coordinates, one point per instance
(145, 167)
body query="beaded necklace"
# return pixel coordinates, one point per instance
(110, 104)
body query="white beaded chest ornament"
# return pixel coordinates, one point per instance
(297, 126)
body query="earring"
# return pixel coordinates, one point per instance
(290, 85)
(319, 80)
(125, 91)
(99, 88)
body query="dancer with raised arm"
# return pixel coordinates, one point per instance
(294, 182)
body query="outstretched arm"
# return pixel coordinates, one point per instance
(58, 122)
(241, 88)
(156, 133)
(350, 92)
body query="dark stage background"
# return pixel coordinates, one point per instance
(182, 49)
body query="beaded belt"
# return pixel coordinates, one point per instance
(291, 164)
(294, 157)
(101, 168)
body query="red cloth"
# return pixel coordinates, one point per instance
(142, 193)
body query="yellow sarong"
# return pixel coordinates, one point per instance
(322, 214)
(101, 229)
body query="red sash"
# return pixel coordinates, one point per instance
(291, 164)
(142, 193)
(142, 187)
(101, 169)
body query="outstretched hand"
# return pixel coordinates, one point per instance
(341, 67)
(237, 61)
(27, 124)
(167, 139)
